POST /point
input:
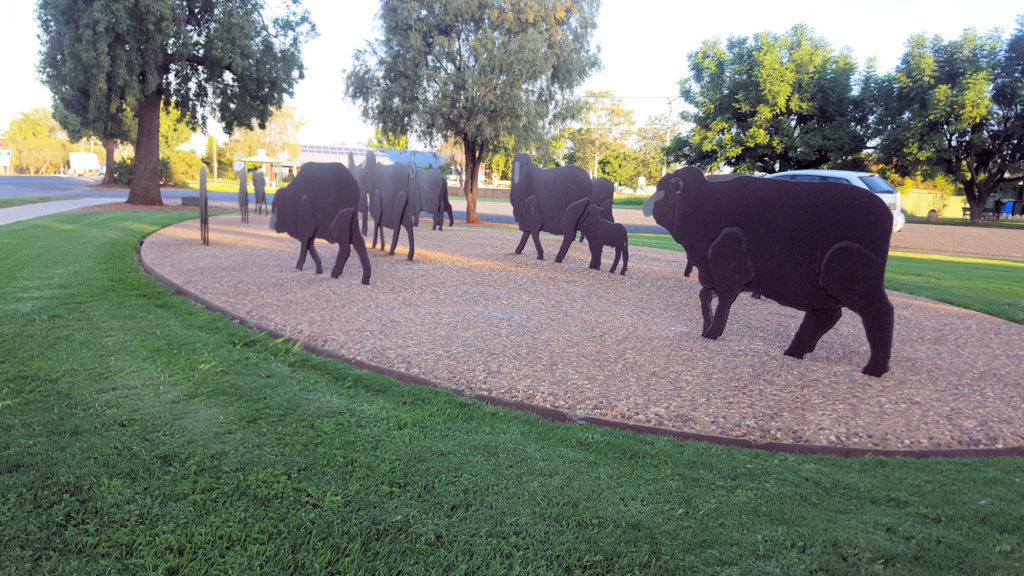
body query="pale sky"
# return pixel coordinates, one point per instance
(644, 44)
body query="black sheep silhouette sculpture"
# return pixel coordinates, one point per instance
(601, 233)
(259, 188)
(390, 203)
(548, 200)
(322, 202)
(602, 195)
(364, 174)
(813, 246)
(430, 195)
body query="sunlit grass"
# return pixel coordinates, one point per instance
(141, 434)
(12, 201)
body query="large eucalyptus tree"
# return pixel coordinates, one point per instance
(111, 63)
(475, 71)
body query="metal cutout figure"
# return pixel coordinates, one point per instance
(259, 187)
(430, 192)
(813, 246)
(600, 233)
(548, 200)
(322, 202)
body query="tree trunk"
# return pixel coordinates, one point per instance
(978, 193)
(145, 187)
(470, 186)
(108, 176)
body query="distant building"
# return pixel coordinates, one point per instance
(339, 153)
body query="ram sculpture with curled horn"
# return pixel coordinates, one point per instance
(813, 246)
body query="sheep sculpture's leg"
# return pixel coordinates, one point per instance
(730, 270)
(309, 247)
(570, 223)
(615, 261)
(815, 324)
(531, 226)
(707, 294)
(412, 240)
(856, 277)
(399, 218)
(625, 256)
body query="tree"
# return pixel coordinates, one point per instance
(652, 142)
(388, 141)
(475, 71)
(770, 103)
(957, 108)
(231, 59)
(606, 127)
(38, 144)
(280, 137)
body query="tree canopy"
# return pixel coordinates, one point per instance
(475, 70)
(606, 127)
(957, 108)
(110, 61)
(769, 103)
(38, 143)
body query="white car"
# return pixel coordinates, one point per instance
(865, 180)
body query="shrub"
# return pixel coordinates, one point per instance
(180, 167)
(122, 171)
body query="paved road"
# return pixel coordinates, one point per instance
(89, 187)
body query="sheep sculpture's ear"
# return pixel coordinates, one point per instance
(677, 185)
(413, 170)
(515, 173)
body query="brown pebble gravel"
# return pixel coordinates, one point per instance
(471, 315)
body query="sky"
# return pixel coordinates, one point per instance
(643, 46)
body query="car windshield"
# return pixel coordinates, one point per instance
(877, 185)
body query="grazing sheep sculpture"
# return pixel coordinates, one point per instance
(548, 200)
(321, 202)
(813, 246)
(259, 187)
(602, 195)
(600, 233)
(430, 194)
(390, 203)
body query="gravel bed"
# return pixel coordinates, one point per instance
(470, 315)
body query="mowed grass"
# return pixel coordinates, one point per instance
(990, 285)
(141, 434)
(12, 201)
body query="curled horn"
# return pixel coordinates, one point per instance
(412, 169)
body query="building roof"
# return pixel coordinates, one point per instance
(339, 153)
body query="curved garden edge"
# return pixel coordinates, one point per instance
(556, 413)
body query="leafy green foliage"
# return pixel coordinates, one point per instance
(180, 167)
(770, 103)
(605, 128)
(106, 61)
(474, 71)
(388, 141)
(38, 144)
(142, 434)
(957, 108)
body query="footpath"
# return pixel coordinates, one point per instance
(28, 211)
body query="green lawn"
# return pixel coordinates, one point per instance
(12, 201)
(141, 434)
